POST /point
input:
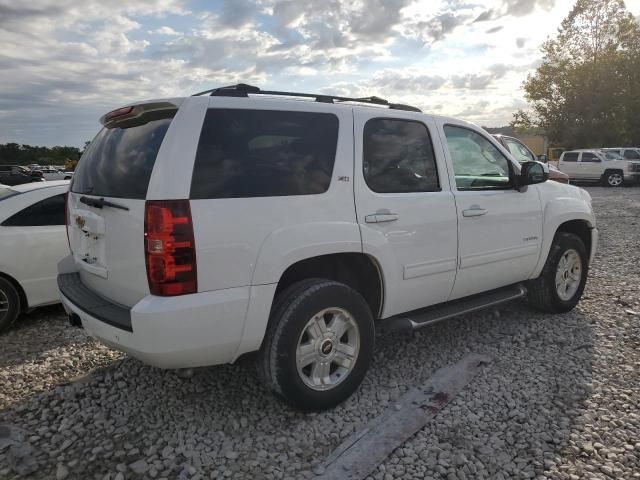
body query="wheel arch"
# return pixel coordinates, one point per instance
(360, 271)
(24, 304)
(580, 223)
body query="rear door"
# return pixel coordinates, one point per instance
(107, 201)
(569, 164)
(38, 229)
(405, 207)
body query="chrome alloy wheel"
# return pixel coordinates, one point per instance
(615, 179)
(568, 275)
(327, 349)
(4, 305)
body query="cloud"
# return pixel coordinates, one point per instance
(164, 31)
(516, 8)
(495, 29)
(520, 42)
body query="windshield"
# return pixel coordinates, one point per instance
(613, 156)
(6, 192)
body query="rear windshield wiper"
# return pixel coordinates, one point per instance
(101, 202)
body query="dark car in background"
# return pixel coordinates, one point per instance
(17, 175)
(522, 153)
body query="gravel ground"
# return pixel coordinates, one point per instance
(561, 400)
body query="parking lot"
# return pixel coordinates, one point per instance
(561, 398)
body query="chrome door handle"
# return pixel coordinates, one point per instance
(381, 217)
(474, 211)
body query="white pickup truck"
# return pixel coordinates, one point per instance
(296, 225)
(599, 165)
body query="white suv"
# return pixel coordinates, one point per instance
(296, 225)
(604, 165)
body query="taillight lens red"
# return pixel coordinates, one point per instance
(170, 248)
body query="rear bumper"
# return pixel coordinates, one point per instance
(167, 332)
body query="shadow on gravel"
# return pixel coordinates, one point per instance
(529, 399)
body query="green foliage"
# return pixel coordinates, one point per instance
(586, 93)
(15, 154)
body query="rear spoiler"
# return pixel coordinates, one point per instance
(134, 111)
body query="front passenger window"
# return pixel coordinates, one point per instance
(477, 163)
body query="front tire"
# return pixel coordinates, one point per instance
(318, 346)
(559, 287)
(9, 304)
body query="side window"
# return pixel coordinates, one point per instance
(570, 157)
(49, 211)
(631, 155)
(264, 153)
(477, 163)
(398, 157)
(519, 151)
(589, 157)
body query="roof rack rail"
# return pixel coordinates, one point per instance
(243, 90)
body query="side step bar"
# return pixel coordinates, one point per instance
(442, 311)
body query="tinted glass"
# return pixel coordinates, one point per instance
(613, 156)
(119, 161)
(264, 153)
(477, 163)
(631, 155)
(49, 211)
(589, 157)
(519, 151)
(570, 157)
(398, 157)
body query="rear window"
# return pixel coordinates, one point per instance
(264, 153)
(119, 161)
(6, 192)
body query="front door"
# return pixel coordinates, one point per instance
(405, 207)
(590, 166)
(500, 227)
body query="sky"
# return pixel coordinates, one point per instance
(64, 63)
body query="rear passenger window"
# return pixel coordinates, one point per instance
(570, 157)
(49, 211)
(398, 157)
(264, 153)
(589, 157)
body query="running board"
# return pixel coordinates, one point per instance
(436, 313)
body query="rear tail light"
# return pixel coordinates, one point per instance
(170, 249)
(66, 217)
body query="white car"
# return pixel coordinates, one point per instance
(599, 165)
(32, 240)
(50, 173)
(295, 225)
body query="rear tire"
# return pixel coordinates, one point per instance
(9, 304)
(613, 178)
(318, 346)
(559, 287)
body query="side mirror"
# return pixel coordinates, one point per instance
(532, 173)
(543, 158)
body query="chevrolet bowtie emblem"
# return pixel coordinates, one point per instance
(80, 222)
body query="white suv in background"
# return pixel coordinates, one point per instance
(295, 225)
(601, 165)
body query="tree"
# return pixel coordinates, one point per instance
(586, 92)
